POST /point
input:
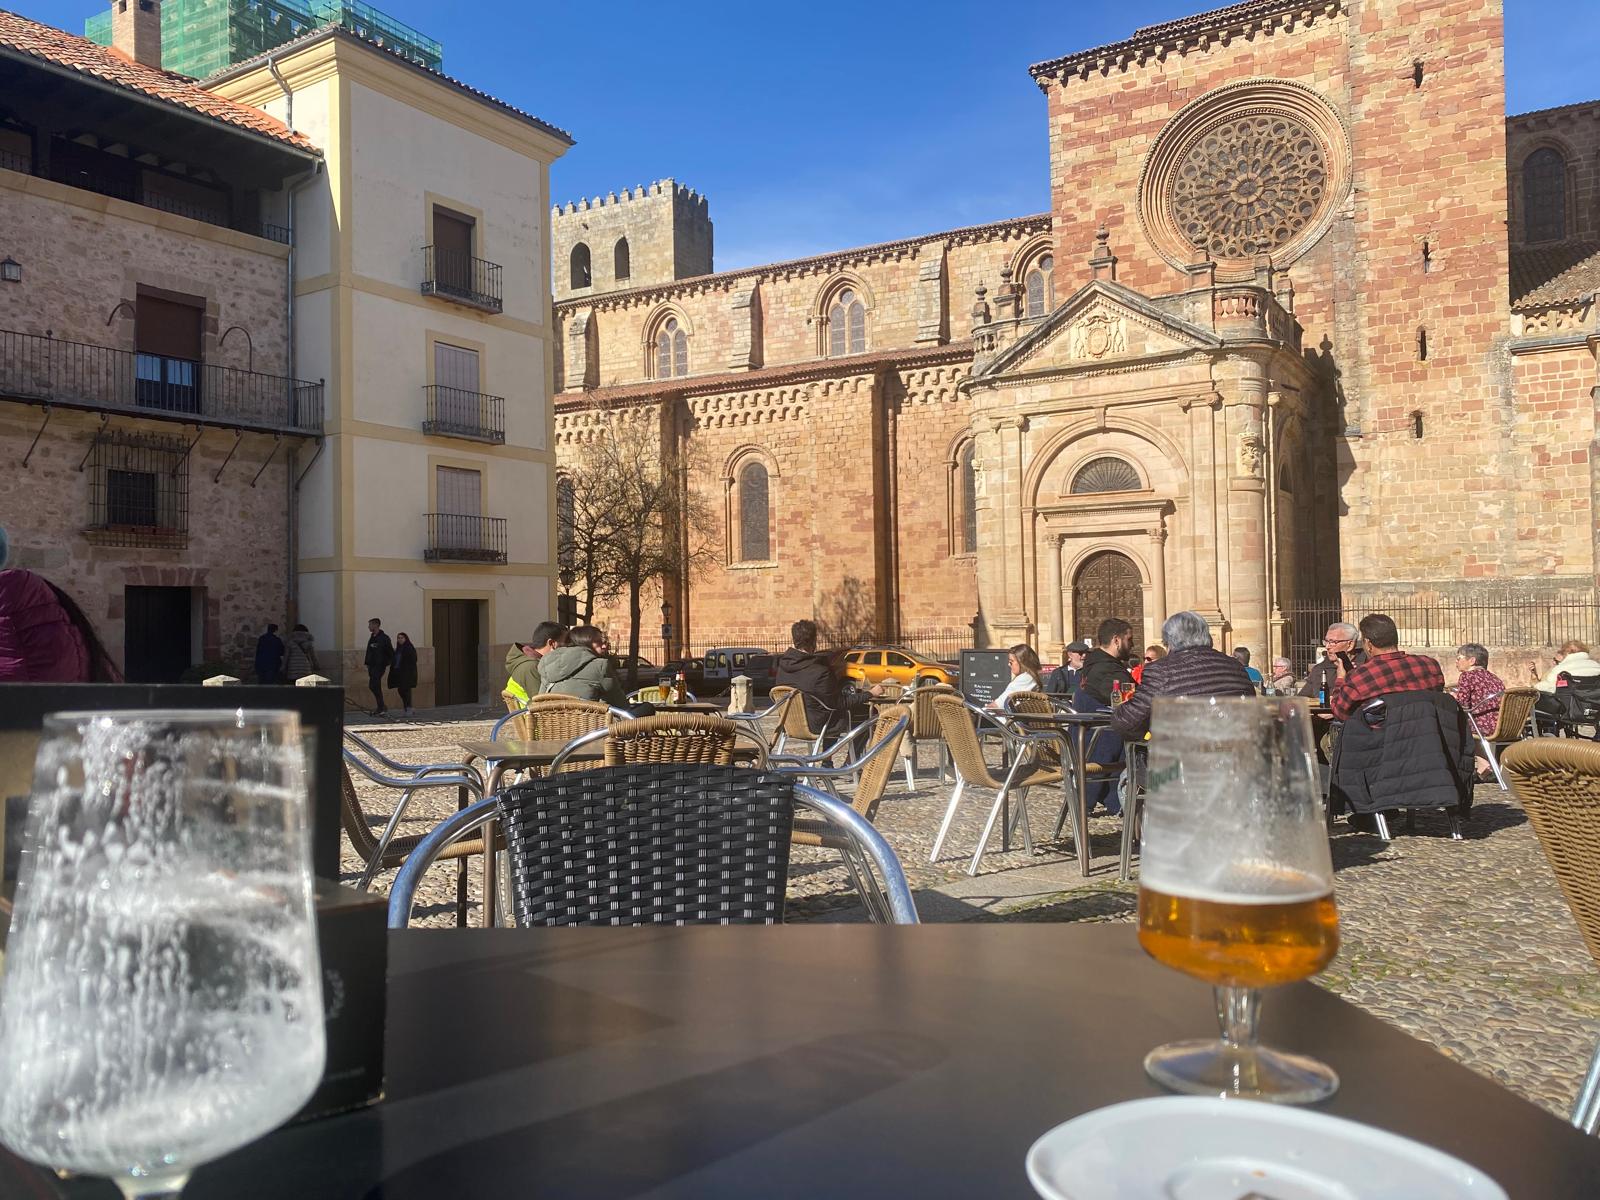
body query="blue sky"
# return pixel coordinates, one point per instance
(834, 123)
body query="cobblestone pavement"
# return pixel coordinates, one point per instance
(1467, 945)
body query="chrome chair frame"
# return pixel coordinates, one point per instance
(754, 719)
(432, 777)
(820, 766)
(894, 894)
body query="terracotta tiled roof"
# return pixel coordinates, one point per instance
(1554, 274)
(1185, 27)
(325, 31)
(727, 381)
(1558, 111)
(20, 36)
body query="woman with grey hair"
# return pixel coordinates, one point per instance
(1479, 691)
(1192, 667)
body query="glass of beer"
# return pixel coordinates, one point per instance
(1236, 883)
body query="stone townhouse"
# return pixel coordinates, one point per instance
(152, 424)
(1272, 344)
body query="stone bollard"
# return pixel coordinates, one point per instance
(218, 681)
(739, 695)
(312, 681)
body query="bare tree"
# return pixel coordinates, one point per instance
(634, 517)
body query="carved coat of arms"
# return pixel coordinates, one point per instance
(1098, 335)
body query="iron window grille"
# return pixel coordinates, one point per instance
(138, 490)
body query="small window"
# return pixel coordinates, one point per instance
(1105, 475)
(138, 490)
(621, 268)
(581, 275)
(898, 660)
(755, 536)
(1039, 286)
(672, 350)
(847, 325)
(1544, 196)
(874, 659)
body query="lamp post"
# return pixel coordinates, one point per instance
(666, 630)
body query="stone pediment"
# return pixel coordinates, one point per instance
(1103, 324)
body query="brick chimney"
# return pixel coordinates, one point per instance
(136, 30)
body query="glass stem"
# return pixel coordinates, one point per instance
(1238, 1009)
(169, 1188)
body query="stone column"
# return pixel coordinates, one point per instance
(1245, 542)
(1058, 629)
(1158, 579)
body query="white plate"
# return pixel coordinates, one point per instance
(1183, 1148)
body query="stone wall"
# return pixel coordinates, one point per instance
(1574, 131)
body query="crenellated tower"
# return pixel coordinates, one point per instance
(647, 235)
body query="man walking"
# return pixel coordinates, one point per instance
(269, 656)
(380, 654)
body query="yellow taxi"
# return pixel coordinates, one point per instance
(890, 664)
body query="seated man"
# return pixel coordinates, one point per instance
(1342, 647)
(1282, 680)
(1192, 667)
(1105, 665)
(819, 678)
(583, 669)
(522, 660)
(1242, 653)
(1063, 681)
(1387, 669)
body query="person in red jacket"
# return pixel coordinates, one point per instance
(44, 635)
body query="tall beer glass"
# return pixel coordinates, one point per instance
(1236, 883)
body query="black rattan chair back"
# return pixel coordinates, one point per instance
(660, 844)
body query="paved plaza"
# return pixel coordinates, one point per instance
(1467, 945)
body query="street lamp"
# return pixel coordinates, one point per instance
(666, 629)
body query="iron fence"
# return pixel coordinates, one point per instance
(1440, 621)
(79, 375)
(461, 277)
(457, 537)
(456, 412)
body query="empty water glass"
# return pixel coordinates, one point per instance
(161, 1003)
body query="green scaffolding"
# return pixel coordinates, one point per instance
(201, 37)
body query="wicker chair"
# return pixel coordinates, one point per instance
(521, 723)
(1516, 714)
(657, 844)
(1557, 781)
(671, 738)
(358, 827)
(956, 719)
(925, 728)
(794, 722)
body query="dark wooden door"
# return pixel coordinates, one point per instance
(1108, 585)
(455, 651)
(155, 644)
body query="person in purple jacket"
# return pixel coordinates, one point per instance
(45, 637)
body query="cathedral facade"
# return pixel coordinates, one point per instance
(1308, 317)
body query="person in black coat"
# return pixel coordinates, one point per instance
(1403, 750)
(1103, 666)
(1063, 681)
(819, 678)
(380, 653)
(403, 674)
(269, 656)
(1194, 667)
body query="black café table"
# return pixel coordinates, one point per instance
(816, 1061)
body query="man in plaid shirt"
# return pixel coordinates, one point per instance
(1387, 669)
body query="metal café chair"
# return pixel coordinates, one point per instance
(887, 728)
(1557, 782)
(1516, 713)
(783, 698)
(408, 785)
(665, 738)
(956, 718)
(381, 857)
(925, 728)
(658, 843)
(795, 724)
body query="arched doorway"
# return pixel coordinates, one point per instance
(1108, 585)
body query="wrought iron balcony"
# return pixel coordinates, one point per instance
(456, 412)
(51, 371)
(462, 278)
(454, 537)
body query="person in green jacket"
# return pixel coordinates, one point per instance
(582, 669)
(522, 660)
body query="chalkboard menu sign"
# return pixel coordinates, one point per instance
(984, 674)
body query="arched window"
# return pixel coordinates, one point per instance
(966, 501)
(672, 350)
(580, 266)
(621, 268)
(1544, 196)
(755, 536)
(847, 325)
(1040, 286)
(1105, 475)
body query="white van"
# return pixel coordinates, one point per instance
(724, 662)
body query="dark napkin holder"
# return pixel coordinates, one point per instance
(353, 939)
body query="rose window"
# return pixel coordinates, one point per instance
(1249, 185)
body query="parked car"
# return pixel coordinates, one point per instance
(694, 672)
(891, 664)
(724, 662)
(763, 672)
(634, 667)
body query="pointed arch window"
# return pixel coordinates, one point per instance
(755, 516)
(621, 266)
(1544, 196)
(966, 539)
(1040, 286)
(847, 325)
(672, 350)
(581, 276)
(1105, 475)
